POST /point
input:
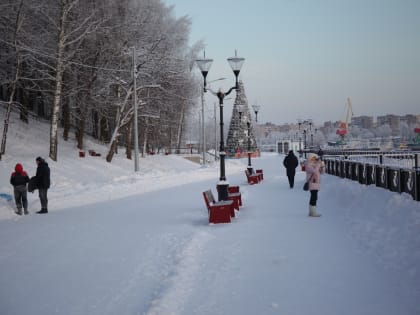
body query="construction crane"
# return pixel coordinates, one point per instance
(343, 126)
(415, 144)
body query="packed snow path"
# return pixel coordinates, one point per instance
(156, 254)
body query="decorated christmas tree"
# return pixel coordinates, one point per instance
(237, 138)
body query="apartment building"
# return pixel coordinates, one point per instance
(365, 122)
(392, 121)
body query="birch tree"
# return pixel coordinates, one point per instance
(69, 35)
(16, 76)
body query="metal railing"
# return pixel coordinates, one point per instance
(397, 172)
(404, 160)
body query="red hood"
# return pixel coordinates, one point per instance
(19, 168)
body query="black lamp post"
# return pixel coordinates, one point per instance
(256, 108)
(306, 133)
(248, 124)
(236, 65)
(310, 131)
(300, 140)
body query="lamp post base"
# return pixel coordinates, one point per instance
(250, 169)
(222, 191)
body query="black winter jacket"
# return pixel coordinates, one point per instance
(18, 179)
(43, 176)
(290, 162)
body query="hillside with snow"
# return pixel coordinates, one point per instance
(76, 181)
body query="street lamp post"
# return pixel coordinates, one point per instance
(256, 108)
(300, 140)
(236, 64)
(241, 109)
(215, 133)
(203, 134)
(307, 132)
(248, 124)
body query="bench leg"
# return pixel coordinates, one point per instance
(236, 203)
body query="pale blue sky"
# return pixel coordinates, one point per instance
(305, 57)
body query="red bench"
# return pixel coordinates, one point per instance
(235, 194)
(93, 153)
(219, 212)
(252, 178)
(260, 173)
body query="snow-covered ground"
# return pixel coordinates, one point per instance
(119, 242)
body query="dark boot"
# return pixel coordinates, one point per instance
(42, 211)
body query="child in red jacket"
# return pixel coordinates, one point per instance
(19, 179)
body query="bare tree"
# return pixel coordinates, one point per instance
(69, 35)
(75, 53)
(17, 56)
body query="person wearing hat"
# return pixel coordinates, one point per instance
(290, 162)
(314, 167)
(42, 179)
(19, 179)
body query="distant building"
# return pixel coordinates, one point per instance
(410, 119)
(365, 122)
(284, 146)
(392, 121)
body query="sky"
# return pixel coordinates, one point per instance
(304, 58)
(119, 242)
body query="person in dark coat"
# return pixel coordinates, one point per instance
(19, 179)
(320, 153)
(290, 162)
(42, 179)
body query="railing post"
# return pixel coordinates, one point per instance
(416, 160)
(381, 159)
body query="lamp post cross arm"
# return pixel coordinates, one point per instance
(221, 95)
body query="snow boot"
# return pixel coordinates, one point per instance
(26, 211)
(42, 211)
(19, 212)
(312, 212)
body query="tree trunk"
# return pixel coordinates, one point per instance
(128, 142)
(179, 133)
(113, 145)
(14, 83)
(23, 114)
(145, 138)
(66, 119)
(80, 125)
(6, 120)
(58, 87)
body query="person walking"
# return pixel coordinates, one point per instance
(320, 153)
(314, 167)
(290, 162)
(42, 180)
(19, 179)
